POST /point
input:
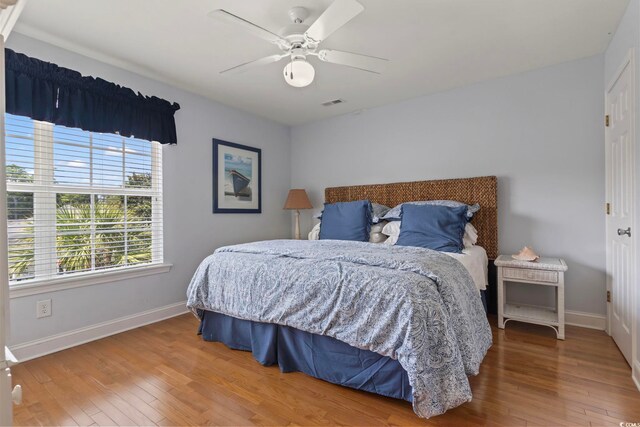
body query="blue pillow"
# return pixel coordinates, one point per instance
(440, 228)
(346, 221)
(378, 212)
(394, 214)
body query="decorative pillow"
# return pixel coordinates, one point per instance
(377, 238)
(375, 235)
(346, 221)
(440, 228)
(392, 229)
(377, 228)
(378, 211)
(394, 214)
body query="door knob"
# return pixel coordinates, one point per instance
(622, 232)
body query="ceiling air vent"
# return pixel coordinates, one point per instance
(333, 102)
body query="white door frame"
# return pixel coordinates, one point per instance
(6, 404)
(9, 13)
(628, 61)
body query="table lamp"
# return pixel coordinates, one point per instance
(297, 199)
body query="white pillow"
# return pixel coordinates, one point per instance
(470, 237)
(392, 229)
(314, 234)
(375, 236)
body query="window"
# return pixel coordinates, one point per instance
(79, 202)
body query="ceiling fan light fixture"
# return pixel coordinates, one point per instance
(299, 73)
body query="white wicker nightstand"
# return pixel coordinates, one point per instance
(545, 272)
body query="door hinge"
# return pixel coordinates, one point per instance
(608, 296)
(606, 120)
(608, 208)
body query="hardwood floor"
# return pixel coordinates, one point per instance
(165, 374)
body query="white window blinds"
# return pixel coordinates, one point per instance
(80, 202)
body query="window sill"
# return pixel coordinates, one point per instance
(41, 286)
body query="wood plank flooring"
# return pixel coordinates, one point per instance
(164, 374)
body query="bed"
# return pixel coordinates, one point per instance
(402, 322)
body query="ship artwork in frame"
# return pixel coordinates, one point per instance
(237, 178)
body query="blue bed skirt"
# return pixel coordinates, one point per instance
(321, 357)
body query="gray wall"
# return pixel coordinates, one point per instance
(628, 37)
(540, 132)
(191, 230)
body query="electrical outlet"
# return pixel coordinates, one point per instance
(43, 308)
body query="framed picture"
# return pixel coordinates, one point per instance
(237, 178)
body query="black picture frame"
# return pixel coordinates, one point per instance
(226, 197)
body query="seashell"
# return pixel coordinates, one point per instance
(526, 254)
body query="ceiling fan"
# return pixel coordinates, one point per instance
(297, 41)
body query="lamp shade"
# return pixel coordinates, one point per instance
(298, 199)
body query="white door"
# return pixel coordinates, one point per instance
(621, 234)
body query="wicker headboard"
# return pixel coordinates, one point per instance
(481, 190)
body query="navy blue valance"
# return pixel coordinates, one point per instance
(44, 91)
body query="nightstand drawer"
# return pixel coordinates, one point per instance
(530, 274)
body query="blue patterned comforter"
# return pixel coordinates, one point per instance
(415, 305)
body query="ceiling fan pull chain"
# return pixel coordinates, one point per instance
(291, 73)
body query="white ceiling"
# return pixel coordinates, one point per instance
(433, 45)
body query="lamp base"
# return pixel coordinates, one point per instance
(297, 230)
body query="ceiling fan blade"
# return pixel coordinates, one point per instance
(372, 64)
(223, 15)
(248, 65)
(337, 14)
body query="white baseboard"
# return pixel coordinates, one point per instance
(43, 346)
(635, 374)
(585, 320)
